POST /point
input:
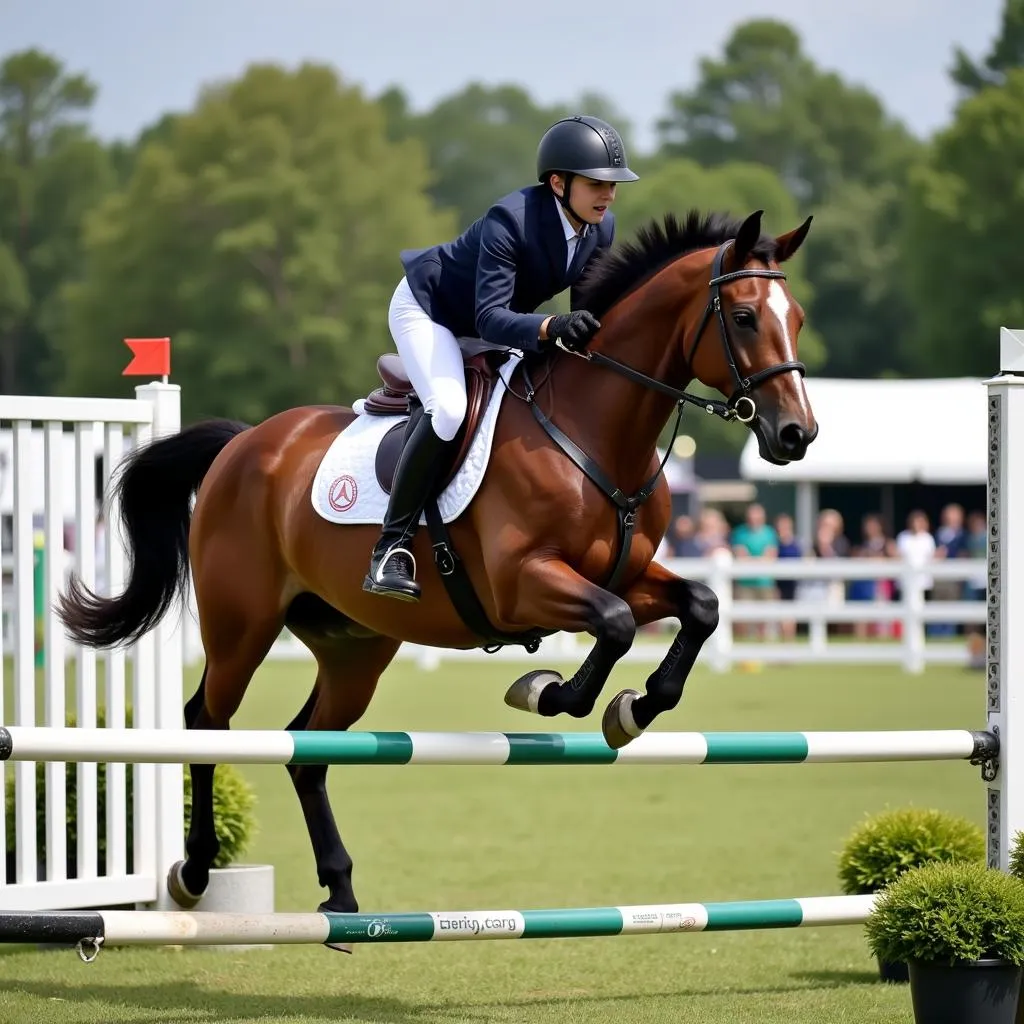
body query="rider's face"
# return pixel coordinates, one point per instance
(589, 199)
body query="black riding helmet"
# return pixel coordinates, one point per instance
(582, 145)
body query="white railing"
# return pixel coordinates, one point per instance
(54, 446)
(905, 620)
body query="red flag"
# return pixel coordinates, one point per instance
(151, 356)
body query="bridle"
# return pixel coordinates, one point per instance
(744, 386)
(728, 410)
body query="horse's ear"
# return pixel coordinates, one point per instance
(746, 237)
(786, 245)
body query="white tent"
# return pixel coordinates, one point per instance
(888, 431)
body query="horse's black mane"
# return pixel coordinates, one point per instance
(621, 268)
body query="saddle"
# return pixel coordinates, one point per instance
(396, 394)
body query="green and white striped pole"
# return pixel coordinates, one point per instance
(145, 927)
(146, 746)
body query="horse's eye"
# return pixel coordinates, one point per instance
(744, 318)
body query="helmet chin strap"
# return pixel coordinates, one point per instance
(563, 199)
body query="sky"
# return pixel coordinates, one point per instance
(148, 58)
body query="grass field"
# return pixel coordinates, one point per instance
(448, 838)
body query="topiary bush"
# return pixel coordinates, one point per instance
(952, 912)
(885, 846)
(234, 802)
(1016, 862)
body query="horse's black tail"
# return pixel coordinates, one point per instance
(155, 484)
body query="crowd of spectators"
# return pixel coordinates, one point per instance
(764, 544)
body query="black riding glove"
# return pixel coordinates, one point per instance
(574, 329)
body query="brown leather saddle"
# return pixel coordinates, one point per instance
(393, 398)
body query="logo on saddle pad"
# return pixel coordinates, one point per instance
(343, 493)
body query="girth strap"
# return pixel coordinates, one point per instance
(462, 595)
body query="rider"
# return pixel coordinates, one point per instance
(529, 246)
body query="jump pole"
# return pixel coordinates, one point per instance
(93, 929)
(169, 746)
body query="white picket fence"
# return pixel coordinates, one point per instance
(906, 618)
(50, 477)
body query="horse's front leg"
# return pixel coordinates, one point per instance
(551, 595)
(660, 594)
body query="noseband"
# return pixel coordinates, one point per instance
(744, 386)
(739, 406)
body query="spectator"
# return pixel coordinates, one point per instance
(949, 543)
(917, 546)
(951, 536)
(874, 544)
(755, 540)
(975, 546)
(829, 542)
(713, 533)
(829, 539)
(789, 547)
(683, 540)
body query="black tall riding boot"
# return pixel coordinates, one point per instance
(392, 566)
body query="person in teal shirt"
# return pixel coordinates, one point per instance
(755, 538)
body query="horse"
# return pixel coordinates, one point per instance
(560, 536)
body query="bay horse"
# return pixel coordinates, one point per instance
(560, 535)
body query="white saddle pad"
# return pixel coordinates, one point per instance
(345, 488)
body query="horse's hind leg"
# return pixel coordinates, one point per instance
(348, 670)
(231, 662)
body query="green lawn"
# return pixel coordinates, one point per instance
(447, 838)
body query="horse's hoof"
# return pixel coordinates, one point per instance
(524, 693)
(341, 947)
(177, 888)
(617, 724)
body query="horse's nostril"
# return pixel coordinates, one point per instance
(793, 437)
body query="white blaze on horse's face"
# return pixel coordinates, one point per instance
(778, 303)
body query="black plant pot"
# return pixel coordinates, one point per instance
(978, 992)
(896, 970)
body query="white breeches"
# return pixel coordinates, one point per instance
(432, 359)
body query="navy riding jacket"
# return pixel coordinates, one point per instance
(487, 283)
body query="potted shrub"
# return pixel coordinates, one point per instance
(1016, 863)
(886, 845)
(960, 927)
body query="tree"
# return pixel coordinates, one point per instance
(675, 185)
(262, 232)
(51, 172)
(1007, 52)
(765, 101)
(841, 157)
(482, 141)
(963, 262)
(860, 303)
